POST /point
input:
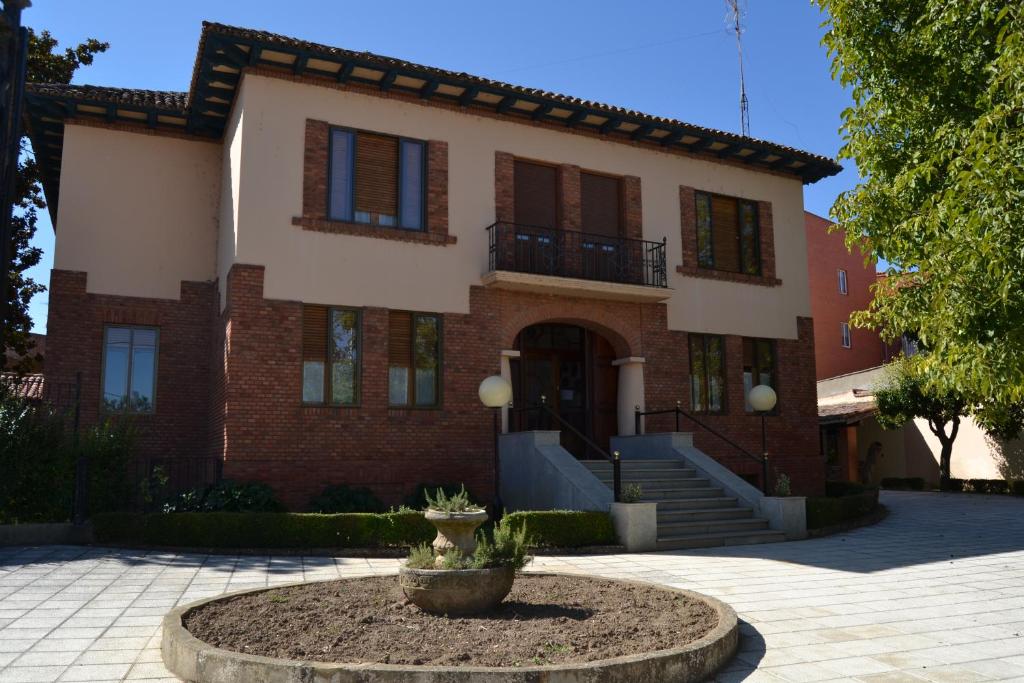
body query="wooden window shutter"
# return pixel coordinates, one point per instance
(601, 204)
(377, 174)
(536, 194)
(400, 339)
(314, 332)
(725, 233)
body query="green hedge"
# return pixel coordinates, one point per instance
(564, 528)
(559, 528)
(826, 511)
(264, 529)
(984, 486)
(1017, 488)
(903, 483)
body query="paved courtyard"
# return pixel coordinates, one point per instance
(935, 592)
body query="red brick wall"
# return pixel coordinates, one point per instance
(75, 324)
(241, 399)
(826, 255)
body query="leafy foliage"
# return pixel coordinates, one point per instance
(564, 528)
(908, 395)
(783, 486)
(632, 493)
(459, 502)
(936, 133)
(826, 511)
(228, 496)
(420, 557)
(46, 64)
(417, 500)
(508, 547)
(342, 498)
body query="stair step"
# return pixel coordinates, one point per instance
(672, 516)
(719, 539)
(681, 494)
(673, 529)
(645, 475)
(663, 485)
(639, 464)
(713, 503)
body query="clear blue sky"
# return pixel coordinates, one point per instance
(666, 57)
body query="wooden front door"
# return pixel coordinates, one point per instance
(572, 369)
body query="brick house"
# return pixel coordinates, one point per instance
(304, 266)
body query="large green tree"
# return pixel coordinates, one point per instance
(46, 64)
(937, 132)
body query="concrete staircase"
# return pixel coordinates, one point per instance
(691, 512)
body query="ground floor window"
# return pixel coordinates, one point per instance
(707, 373)
(414, 359)
(330, 355)
(758, 366)
(129, 369)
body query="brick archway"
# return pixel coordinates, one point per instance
(620, 330)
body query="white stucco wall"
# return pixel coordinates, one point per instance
(362, 271)
(137, 212)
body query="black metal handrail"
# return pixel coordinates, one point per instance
(570, 253)
(679, 412)
(612, 457)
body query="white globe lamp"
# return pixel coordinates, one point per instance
(495, 392)
(762, 398)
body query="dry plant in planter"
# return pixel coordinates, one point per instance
(462, 573)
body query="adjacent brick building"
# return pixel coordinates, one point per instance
(303, 268)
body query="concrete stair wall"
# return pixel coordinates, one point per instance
(692, 511)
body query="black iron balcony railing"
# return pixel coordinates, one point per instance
(570, 253)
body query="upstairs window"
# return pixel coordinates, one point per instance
(844, 329)
(758, 366)
(728, 235)
(707, 373)
(129, 369)
(376, 179)
(414, 359)
(330, 355)
(842, 282)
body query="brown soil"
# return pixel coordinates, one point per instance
(545, 620)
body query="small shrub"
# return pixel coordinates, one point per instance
(632, 493)
(782, 486)
(420, 557)
(508, 547)
(342, 498)
(826, 511)
(417, 500)
(228, 496)
(985, 486)
(1017, 488)
(564, 528)
(954, 485)
(109, 448)
(835, 489)
(459, 502)
(903, 483)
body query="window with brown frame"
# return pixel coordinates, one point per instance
(728, 235)
(330, 355)
(758, 366)
(376, 179)
(707, 373)
(414, 359)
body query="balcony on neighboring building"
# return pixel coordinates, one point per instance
(550, 260)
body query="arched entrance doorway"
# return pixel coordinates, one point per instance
(572, 367)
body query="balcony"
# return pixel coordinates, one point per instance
(569, 262)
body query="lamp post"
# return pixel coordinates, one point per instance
(496, 392)
(762, 399)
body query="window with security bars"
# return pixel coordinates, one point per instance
(330, 355)
(414, 359)
(728, 234)
(707, 373)
(376, 179)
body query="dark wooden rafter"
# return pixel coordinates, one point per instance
(301, 62)
(609, 125)
(576, 117)
(388, 79)
(506, 103)
(671, 138)
(641, 132)
(345, 72)
(541, 111)
(429, 88)
(468, 95)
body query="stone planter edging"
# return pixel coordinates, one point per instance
(193, 660)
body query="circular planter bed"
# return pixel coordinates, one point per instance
(551, 628)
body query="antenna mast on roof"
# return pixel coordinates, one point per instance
(734, 21)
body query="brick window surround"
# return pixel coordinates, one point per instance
(569, 197)
(689, 267)
(314, 194)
